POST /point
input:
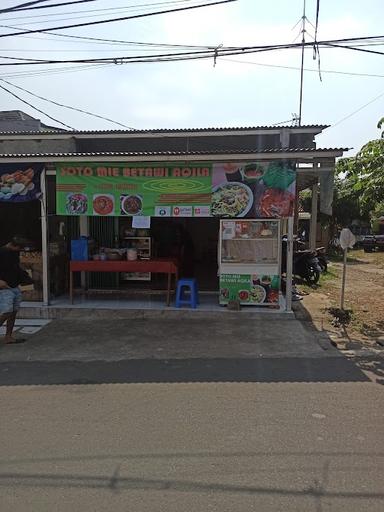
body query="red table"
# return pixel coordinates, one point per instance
(156, 266)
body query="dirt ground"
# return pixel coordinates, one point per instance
(364, 296)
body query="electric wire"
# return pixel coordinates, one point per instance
(20, 6)
(66, 106)
(35, 108)
(345, 47)
(107, 9)
(85, 13)
(295, 68)
(124, 18)
(116, 42)
(356, 111)
(165, 57)
(24, 7)
(56, 71)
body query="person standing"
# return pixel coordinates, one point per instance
(11, 276)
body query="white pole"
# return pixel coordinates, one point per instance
(343, 280)
(289, 265)
(313, 225)
(44, 238)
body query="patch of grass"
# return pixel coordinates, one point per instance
(351, 257)
(331, 275)
(325, 282)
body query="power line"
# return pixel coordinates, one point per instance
(32, 6)
(66, 106)
(20, 6)
(348, 73)
(56, 71)
(120, 42)
(35, 108)
(165, 57)
(136, 16)
(354, 48)
(101, 12)
(356, 111)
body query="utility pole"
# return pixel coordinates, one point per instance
(303, 20)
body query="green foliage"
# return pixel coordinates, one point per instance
(364, 175)
(381, 124)
(305, 197)
(346, 202)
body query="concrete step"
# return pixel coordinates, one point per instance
(52, 312)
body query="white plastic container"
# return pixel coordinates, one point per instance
(131, 254)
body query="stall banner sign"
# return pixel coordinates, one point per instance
(196, 189)
(20, 182)
(255, 190)
(252, 289)
(121, 189)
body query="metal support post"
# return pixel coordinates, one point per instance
(313, 225)
(84, 231)
(44, 238)
(289, 265)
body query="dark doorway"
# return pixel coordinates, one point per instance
(194, 242)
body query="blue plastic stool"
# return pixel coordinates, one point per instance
(193, 299)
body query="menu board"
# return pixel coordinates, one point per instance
(172, 189)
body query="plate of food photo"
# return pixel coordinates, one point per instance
(231, 199)
(131, 205)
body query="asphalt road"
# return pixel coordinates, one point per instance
(220, 446)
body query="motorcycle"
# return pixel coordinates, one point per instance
(306, 264)
(322, 258)
(299, 244)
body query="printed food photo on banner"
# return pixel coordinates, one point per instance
(20, 182)
(131, 204)
(103, 204)
(76, 204)
(256, 189)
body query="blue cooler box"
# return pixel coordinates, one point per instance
(79, 249)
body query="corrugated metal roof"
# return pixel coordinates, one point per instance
(172, 153)
(316, 127)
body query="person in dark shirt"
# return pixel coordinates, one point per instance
(11, 276)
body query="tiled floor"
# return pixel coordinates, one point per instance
(208, 302)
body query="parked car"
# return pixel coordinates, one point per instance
(373, 243)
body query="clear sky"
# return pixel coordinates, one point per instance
(238, 91)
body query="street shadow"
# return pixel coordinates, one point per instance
(284, 369)
(117, 483)
(372, 365)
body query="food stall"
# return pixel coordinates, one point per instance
(248, 199)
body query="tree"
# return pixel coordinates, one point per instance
(345, 206)
(365, 172)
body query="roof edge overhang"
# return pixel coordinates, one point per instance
(302, 155)
(195, 132)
